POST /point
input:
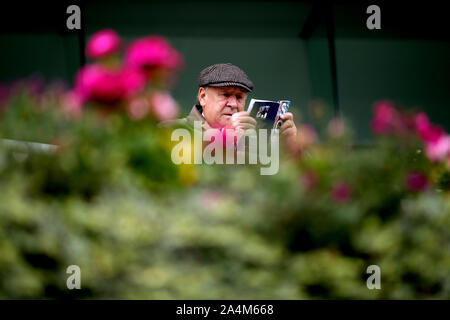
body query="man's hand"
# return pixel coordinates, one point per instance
(243, 121)
(288, 129)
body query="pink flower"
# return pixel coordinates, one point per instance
(427, 131)
(437, 142)
(386, 119)
(72, 104)
(152, 51)
(133, 80)
(103, 43)
(164, 107)
(306, 135)
(416, 181)
(438, 150)
(138, 108)
(336, 128)
(340, 191)
(96, 83)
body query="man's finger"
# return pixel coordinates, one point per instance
(245, 126)
(289, 131)
(241, 114)
(287, 116)
(245, 120)
(287, 124)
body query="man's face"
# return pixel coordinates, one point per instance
(220, 103)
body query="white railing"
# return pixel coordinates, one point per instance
(28, 145)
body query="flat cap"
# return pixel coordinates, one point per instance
(224, 75)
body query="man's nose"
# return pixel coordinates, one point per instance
(232, 102)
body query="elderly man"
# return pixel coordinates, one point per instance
(221, 97)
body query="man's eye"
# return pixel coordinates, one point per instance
(239, 97)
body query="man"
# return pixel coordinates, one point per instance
(221, 97)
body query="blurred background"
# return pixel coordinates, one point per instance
(87, 177)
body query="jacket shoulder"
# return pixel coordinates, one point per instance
(183, 122)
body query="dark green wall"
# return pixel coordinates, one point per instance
(413, 73)
(49, 54)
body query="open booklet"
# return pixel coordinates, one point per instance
(267, 113)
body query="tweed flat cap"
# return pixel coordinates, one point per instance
(224, 75)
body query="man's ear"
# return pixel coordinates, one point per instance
(202, 96)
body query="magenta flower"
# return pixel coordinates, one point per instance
(164, 107)
(340, 191)
(416, 181)
(103, 43)
(428, 132)
(97, 83)
(386, 119)
(152, 52)
(438, 150)
(133, 80)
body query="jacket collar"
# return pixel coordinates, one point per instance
(196, 115)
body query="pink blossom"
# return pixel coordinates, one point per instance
(427, 131)
(97, 83)
(439, 149)
(386, 119)
(416, 181)
(336, 128)
(421, 121)
(152, 51)
(306, 135)
(138, 108)
(133, 80)
(103, 43)
(437, 142)
(340, 191)
(164, 106)
(72, 104)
